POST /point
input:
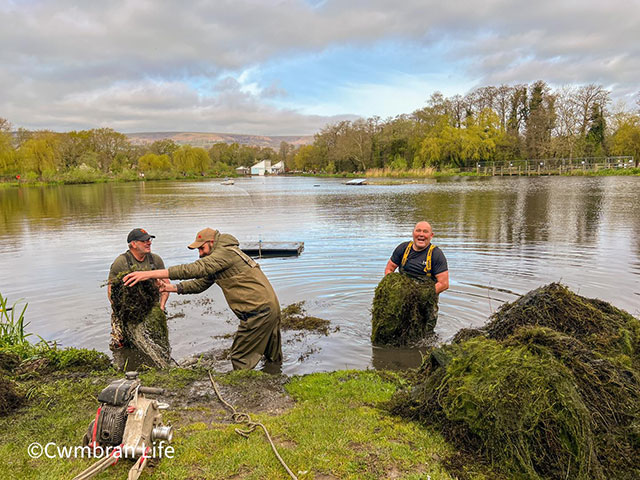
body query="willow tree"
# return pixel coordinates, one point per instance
(7, 152)
(40, 154)
(189, 159)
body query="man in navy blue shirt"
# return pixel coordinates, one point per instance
(419, 258)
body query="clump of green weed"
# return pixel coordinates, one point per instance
(405, 310)
(294, 317)
(131, 304)
(144, 323)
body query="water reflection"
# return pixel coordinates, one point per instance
(502, 237)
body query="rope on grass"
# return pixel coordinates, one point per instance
(240, 417)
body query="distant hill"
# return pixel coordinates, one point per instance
(205, 140)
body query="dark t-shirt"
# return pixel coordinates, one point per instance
(416, 261)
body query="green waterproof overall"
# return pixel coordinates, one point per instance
(248, 293)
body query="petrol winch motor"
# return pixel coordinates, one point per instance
(127, 424)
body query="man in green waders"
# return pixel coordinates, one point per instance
(137, 257)
(247, 290)
(419, 258)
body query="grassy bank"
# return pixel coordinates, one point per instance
(81, 176)
(454, 172)
(72, 178)
(326, 425)
(428, 173)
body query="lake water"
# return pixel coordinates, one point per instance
(502, 237)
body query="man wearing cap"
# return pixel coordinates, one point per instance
(138, 257)
(246, 289)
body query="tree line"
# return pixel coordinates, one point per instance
(489, 124)
(499, 124)
(104, 153)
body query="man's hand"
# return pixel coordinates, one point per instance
(168, 287)
(134, 277)
(116, 343)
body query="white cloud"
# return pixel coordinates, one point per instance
(134, 64)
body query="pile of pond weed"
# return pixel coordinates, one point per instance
(132, 303)
(556, 395)
(294, 317)
(608, 330)
(405, 310)
(144, 322)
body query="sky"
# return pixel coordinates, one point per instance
(289, 67)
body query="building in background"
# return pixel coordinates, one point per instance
(261, 168)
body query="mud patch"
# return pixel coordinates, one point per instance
(10, 398)
(250, 393)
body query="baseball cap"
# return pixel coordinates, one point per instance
(139, 235)
(203, 236)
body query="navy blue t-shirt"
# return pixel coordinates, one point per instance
(416, 261)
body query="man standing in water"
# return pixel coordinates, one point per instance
(246, 289)
(420, 258)
(138, 257)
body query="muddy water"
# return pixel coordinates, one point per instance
(502, 237)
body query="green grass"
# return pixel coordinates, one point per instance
(608, 172)
(336, 429)
(15, 346)
(81, 176)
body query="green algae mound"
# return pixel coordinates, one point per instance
(144, 323)
(549, 389)
(294, 317)
(405, 310)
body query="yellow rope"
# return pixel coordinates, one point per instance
(240, 417)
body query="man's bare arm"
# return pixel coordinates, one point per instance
(442, 282)
(391, 267)
(168, 287)
(135, 277)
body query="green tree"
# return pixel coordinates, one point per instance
(540, 121)
(7, 152)
(165, 146)
(308, 158)
(40, 154)
(188, 159)
(596, 134)
(109, 145)
(626, 139)
(152, 162)
(74, 146)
